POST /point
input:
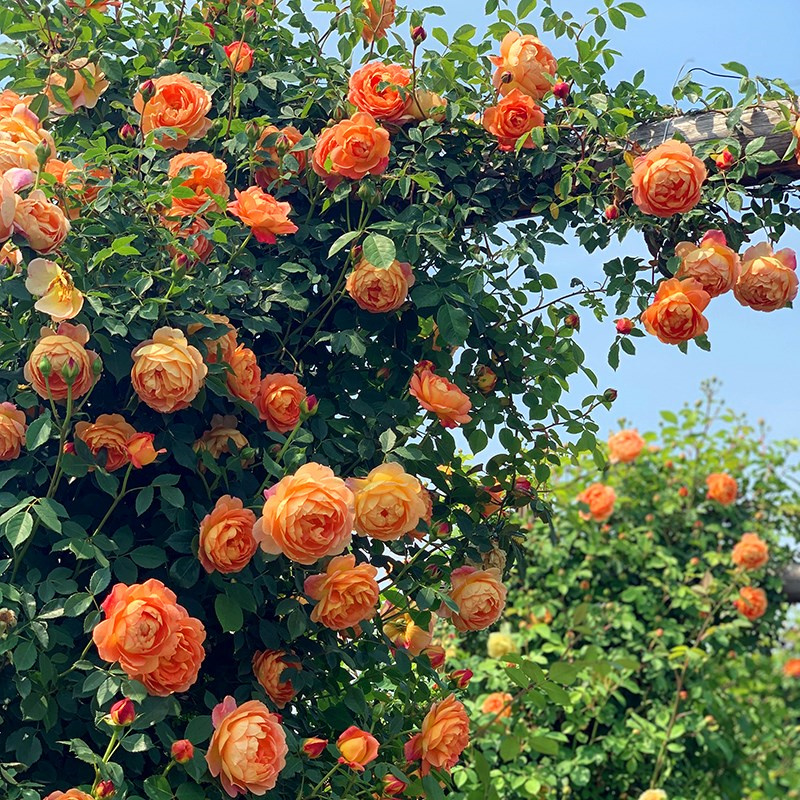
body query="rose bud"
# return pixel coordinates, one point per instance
(314, 747)
(611, 212)
(485, 379)
(424, 366)
(182, 751)
(461, 677)
(506, 77)
(181, 262)
(523, 486)
(383, 374)
(123, 712)
(418, 34)
(141, 451)
(69, 448)
(561, 90)
(147, 90)
(573, 321)
(70, 371)
(433, 571)
(211, 30)
(104, 790)
(127, 133)
(45, 367)
(392, 785)
(356, 252)
(624, 325)
(308, 407)
(610, 395)
(436, 655)
(724, 160)
(442, 529)
(683, 491)
(250, 15)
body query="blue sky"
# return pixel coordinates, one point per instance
(754, 354)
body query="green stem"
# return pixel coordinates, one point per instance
(289, 439)
(117, 499)
(324, 780)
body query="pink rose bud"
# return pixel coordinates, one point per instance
(181, 261)
(70, 371)
(147, 90)
(442, 529)
(461, 677)
(182, 751)
(69, 447)
(573, 321)
(104, 790)
(123, 712)
(250, 15)
(43, 152)
(424, 366)
(436, 655)
(724, 160)
(561, 90)
(127, 133)
(309, 406)
(485, 379)
(624, 325)
(211, 30)
(433, 571)
(418, 34)
(610, 395)
(392, 785)
(611, 212)
(523, 485)
(314, 747)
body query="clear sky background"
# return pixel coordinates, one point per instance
(756, 355)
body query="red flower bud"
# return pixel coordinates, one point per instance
(104, 790)
(211, 30)
(147, 90)
(383, 374)
(69, 447)
(127, 133)
(624, 325)
(561, 90)
(724, 160)
(683, 491)
(436, 655)
(424, 366)
(392, 785)
(611, 212)
(314, 747)
(182, 751)
(418, 34)
(523, 485)
(433, 571)
(610, 395)
(442, 529)
(573, 321)
(462, 677)
(250, 15)
(123, 712)
(308, 406)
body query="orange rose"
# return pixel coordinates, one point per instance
(428, 105)
(380, 90)
(357, 748)
(177, 103)
(498, 704)
(141, 451)
(226, 536)
(479, 595)
(41, 222)
(346, 594)
(600, 499)
(110, 433)
(167, 371)
(307, 515)
(524, 63)
(380, 17)
(240, 56)
(62, 348)
(271, 156)
(791, 669)
(244, 379)
(190, 229)
(84, 86)
(722, 488)
(388, 502)
(206, 176)
(442, 738)
(750, 552)
(711, 263)
(8, 204)
(70, 794)
(751, 603)
(21, 132)
(443, 398)
(262, 213)
(352, 148)
(514, 116)
(768, 280)
(12, 431)
(248, 747)
(379, 290)
(625, 446)
(269, 667)
(73, 179)
(217, 440)
(402, 631)
(93, 5)
(178, 670)
(218, 346)
(9, 100)
(676, 313)
(668, 180)
(278, 401)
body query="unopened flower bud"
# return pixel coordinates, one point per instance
(211, 30)
(69, 371)
(424, 366)
(506, 77)
(104, 790)
(127, 133)
(314, 747)
(383, 374)
(123, 712)
(97, 366)
(461, 677)
(182, 751)
(442, 530)
(369, 194)
(724, 160)
(523, 485)
(433, 571)
(43, 153)
(180, 262)
(250, 15)
(561, 90)
(573, 321)
(485, 379)
(436, 655)
(45, 367)
(624, 325)
(308, 406)
(610, 395)
(147, 90)
(418, 34)
(356, 252)
(392, 785)
(611, 212)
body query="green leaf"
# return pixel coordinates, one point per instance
(453, 324)
(342, 241)
(38, 431)
(148, 556)
(19, 528)
(228, 613)
(379, 251)
(47, 514)
(157, 787)
(25, 656)
(543, 745)
(735, 66)
(144, 499)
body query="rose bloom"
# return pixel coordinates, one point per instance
(61, 347)
(93, 5)
(625, 446)
(109, 433)
(41, 222)
(711, 263)
(442, 738)
(500, 644)
(206, 174)
(388, 502)
(378, 19)
(167, 371)
(278, 401)
(515, 115)
(443, 398)
(177, 103)
(352, 148)
(480, 596)
(141, 451)
(600, 499)
(240, 56)
(498, 704)
(357, 747)
(346, 594)
(668, 180)
(226, 536)
(722, 488)
(70, 794)
(11, 258)
(73, 179)
(191, 230)
(217, 440)
(791, 669)
(269, 668)
(88, 83)
(247, 749)
(751, 603)
(750, 552)
(269, 158)
(528, 62)
(12, 431)
(178, 670)
(262, 213)
(307, 515)
(219, 346)
(379, 290)
(428, 105)
(768, 280)
(57, 294)
(244, 379)
(21, 132)
(676, 313)
(8, 206)
(9, 100)
(422, 531)
(653, 794)
(402, 631)
(379, 89)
